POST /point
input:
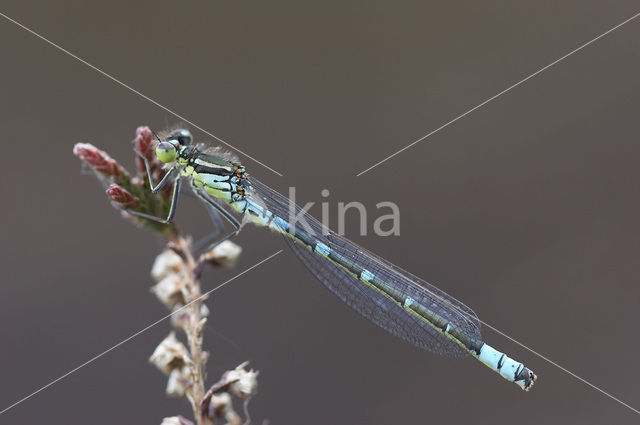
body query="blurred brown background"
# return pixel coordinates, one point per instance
(526, 209)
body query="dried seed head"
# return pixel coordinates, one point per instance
(176, 420)
(168, 262)
(221, 407)
(179, 381)
(244, 383)
(238, 382)
(217, 402)
(99, 160)
(170, 290)
(224, 254)
(122, 196)
(170, 354)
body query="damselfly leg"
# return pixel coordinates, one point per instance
(174, 199)
(208, 242)
(213, 208)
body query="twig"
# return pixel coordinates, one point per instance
(177, 275)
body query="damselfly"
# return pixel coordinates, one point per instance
(388, 296)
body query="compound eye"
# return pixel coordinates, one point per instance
(166, 152)
(183, 136)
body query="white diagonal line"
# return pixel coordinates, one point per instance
(114, 79)
(499, 94)
(91, 360)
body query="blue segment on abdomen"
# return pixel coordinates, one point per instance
(367, 275)
(279, 223)
(322, 249)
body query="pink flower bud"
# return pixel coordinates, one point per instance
(144, 145)
(121, 196)
(97, 159)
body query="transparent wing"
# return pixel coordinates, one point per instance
(366, 300)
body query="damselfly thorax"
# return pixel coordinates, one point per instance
(221, 178)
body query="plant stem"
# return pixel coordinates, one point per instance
(194, 332)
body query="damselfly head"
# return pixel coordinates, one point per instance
(167, 150)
